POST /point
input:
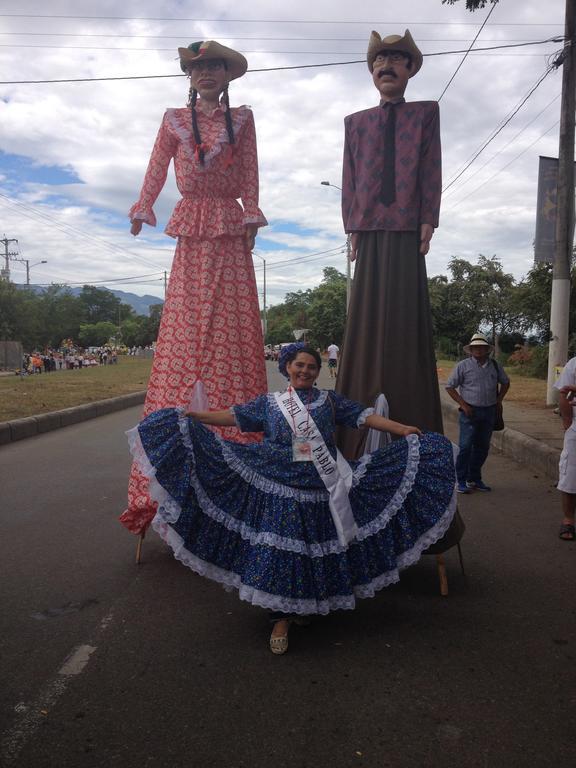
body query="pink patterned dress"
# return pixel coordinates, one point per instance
(210, 329)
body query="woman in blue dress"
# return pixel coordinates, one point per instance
(288, 522)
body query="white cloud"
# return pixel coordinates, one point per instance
(103, 131)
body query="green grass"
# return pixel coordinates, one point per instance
(42, 393)
(32, 395)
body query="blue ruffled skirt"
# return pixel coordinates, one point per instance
(245, 517)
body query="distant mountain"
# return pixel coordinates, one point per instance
(140, 304)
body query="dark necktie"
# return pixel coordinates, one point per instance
(388, 187)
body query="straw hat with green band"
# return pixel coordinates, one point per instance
(203, 50)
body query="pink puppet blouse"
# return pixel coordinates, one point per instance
(209, 206)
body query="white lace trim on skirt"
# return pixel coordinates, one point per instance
(170, 510)
(272, 602)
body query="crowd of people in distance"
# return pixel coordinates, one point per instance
(66, 359)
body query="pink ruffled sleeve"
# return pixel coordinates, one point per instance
(163, 152)
(249, 184)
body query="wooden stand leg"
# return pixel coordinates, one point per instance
(461, 559)
(442, 575)
(139, 547)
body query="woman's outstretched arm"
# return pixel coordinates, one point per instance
(216, 418)
(387, 425)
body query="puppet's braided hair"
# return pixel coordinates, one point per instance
(195, 129)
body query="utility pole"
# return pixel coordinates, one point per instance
(348, 270)
(264, 318)
(560, 301)
(165, 284)
(5, 273)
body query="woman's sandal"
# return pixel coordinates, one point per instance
(567, 532)
(279, 643)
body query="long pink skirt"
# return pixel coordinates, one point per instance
(210, 332)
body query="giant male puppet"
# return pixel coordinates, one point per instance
(391, 191)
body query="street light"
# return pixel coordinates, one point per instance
(28, 265)
(348, 249)
(264, 320)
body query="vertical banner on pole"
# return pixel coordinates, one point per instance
(546, 208)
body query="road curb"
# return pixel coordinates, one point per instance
(20, 429)
(526, 450)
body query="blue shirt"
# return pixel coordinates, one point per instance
(477, 384)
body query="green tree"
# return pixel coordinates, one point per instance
(535, 293)
(155, 316)
(499, 305)
(19, 317)
(61, 314)
(321, 309)
(327, 312)
(96, 334)
(100, 305)
(455, 317)
(139, 331)
(478, 295)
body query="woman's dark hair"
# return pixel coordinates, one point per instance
(289, 353)
(199, 148)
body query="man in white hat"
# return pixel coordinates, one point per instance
(391, 189)
(477, 384)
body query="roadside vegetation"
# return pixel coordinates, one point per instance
(46, 392)
(42, 393)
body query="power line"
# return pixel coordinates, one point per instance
(473, 192)
(467, 52)
(300, 259)
(499, 129)
(263, 69)
(251, 38)
(68, 229)
(511, 141)
(265, 21)
(116, 281)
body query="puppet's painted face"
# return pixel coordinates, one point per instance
(209, 77)
(390, 73)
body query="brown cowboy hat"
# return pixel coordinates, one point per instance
(406, 44)
(236, 64)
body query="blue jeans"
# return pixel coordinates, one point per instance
(474, 443)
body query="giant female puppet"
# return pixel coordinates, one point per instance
(210, 330)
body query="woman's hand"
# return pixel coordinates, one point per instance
(136, 227)
(407, 430)
(250, 232)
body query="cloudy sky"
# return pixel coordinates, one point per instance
(73, 154)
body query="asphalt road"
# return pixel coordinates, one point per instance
(105, 663)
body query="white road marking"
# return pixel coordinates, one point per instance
(77, 660)
(31, 715)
